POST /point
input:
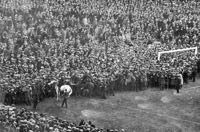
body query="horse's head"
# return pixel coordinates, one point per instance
(53, 82)
(67, 82)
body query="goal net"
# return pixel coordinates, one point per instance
(178, 50)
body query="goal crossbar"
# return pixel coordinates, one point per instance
(171, 51)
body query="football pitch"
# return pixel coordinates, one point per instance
(151, 110)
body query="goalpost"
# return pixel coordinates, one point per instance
(178, 50)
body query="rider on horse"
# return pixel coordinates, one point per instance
(61, 81)
(66, 94)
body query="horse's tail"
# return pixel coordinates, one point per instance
(71, 91)
(57, 89)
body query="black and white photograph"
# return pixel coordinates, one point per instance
(99, 66)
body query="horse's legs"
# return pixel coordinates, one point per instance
(64, 102)
(57, 93)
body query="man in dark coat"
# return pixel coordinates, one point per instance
(198, 66)
(35, 100)
(178, 83)
(194, 72)
(8, 98)
(35, 95)
(185, 76)
(61, 81)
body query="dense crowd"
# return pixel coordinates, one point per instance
(106, 38)
(23, 120)
(115, 42)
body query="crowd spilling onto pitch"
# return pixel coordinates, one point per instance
(116, 43)
(22, 120)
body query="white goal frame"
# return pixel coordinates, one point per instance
(171, 51)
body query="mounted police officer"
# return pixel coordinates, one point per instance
(66, 95)
(61, 81)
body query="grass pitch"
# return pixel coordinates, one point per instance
(151, 110)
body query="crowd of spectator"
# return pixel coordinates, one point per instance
(23, 120)
(105, 38)
(111, 40)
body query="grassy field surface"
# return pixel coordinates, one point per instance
(151, 110)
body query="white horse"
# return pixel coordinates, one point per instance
(63, 88)
(66, 89)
